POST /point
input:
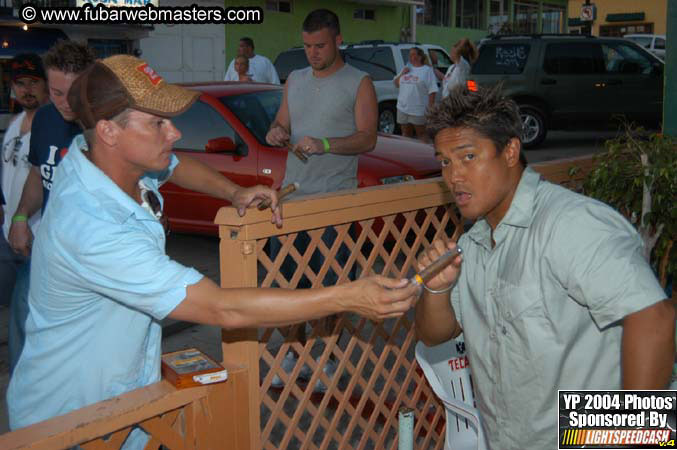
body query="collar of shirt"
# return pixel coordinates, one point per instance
(114, 200)
(520, 213)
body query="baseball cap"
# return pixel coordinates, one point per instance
(27, 65)
(111, 85)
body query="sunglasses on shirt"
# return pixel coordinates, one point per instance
(154, 202)
(11, 150)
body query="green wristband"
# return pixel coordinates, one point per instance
(325, 141)
(19, 218)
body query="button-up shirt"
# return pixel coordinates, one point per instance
(540, 310)
(100, 284)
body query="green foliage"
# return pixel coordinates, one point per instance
(618, 180)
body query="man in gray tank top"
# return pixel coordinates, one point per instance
(328, 112)
(328, 115)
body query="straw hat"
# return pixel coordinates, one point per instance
(111, 85)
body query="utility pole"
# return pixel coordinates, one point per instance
(670, 79)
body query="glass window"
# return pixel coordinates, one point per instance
(501, 59)
(573, 58)
(621, 30)
(200, 124)
(470, 14)
(439, 59)
(552, 19)
(109, 47)
(376, 61)
(644, 41)
(526, 17)
(434, 12)
(279, 5)
(659, 44)
(498, 15)
(288, 61)
(366, 14)
(624, 59)
(256, 110)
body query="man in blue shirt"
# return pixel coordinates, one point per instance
(93, 331)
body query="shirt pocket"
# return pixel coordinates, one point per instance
(522, 329)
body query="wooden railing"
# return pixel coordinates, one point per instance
(198, 418)
(380, 230)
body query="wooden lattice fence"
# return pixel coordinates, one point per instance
(376, 230)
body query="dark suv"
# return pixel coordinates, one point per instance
(573, 81)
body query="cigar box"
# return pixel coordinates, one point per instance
(191, 367)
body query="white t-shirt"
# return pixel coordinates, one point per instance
(415, 86)
(456, 74)
(260, 69)
(15, 168)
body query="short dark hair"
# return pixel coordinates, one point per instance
(249, 41)
(68, 57)
(322, 18)
(485, 110)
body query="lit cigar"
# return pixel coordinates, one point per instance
(436, 267)
(282, 193)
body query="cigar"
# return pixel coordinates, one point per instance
(436, 267)
(282, 193)
(299, 154)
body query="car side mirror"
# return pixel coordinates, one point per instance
(220, 145)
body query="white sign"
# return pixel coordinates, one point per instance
(127, 3)
(588, 13)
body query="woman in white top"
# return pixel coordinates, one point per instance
(417, 85)
(463, 54)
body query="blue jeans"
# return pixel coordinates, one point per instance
(18, 312)
(8, 265)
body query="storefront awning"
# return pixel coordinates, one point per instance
(625, 17)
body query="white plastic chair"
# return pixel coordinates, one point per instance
(453, 387)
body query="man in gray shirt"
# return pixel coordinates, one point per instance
(328, 115)
(328, 112)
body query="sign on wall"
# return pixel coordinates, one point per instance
(588, 13)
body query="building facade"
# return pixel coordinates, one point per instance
(440, 22)
(618, 17)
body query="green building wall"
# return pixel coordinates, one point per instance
(281, 31)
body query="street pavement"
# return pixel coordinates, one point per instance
(201, 252)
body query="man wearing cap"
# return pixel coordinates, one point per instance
(52, 130)
(28, 83)
(93, 331)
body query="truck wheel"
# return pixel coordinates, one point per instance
(387, 119)
(533, 122)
